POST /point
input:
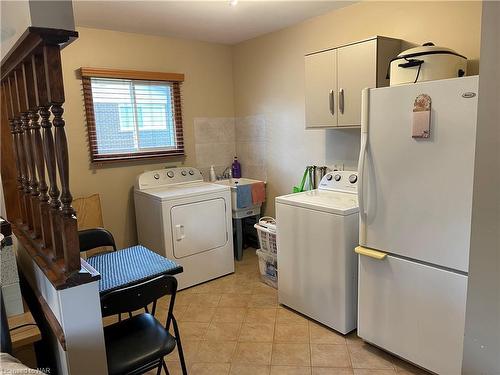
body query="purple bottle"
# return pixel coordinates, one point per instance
(236, 168)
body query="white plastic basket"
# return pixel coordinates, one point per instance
(268, 267)
(266, 230)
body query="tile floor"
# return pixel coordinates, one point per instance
(235, 326)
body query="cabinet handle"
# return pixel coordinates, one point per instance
(332, 102)
(370, 253)
(341, 101)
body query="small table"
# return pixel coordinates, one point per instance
(25, 334)
(24, 338)
(130, 266)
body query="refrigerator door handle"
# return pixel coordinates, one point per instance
(365, 96)
(375, 254)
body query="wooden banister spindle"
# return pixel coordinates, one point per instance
(22, 153)
(55, 89)
(40, 89)
(62, 159)
(29, 89)
(26, 140)
(9, 108)
(17, 142)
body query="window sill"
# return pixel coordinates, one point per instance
(118, 158)
(146, 130)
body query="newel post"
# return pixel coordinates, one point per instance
(55, 91)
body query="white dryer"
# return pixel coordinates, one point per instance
(188, 220)
(317, 232)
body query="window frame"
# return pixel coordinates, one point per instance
(174, 79)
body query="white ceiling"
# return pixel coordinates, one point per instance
(211, 21)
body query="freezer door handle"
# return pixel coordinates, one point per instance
(361, 170)
(375, 254)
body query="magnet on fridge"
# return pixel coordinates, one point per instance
(421, 121)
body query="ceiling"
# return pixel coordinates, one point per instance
(211, 21)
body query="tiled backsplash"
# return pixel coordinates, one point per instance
(214, 143)
(251, 146)
(218, 140)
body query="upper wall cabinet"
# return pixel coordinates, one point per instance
(335, 78)
(321, 88)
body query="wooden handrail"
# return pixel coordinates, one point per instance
(30, 43)
(32, 90)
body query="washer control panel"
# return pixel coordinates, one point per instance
(346, 181)
(167, 176)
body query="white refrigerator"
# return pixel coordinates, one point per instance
(415, 199)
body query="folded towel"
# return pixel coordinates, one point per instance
(258, 192)
(244, 196)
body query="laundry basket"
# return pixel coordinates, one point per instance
(268, 267)
(266, 230)
(268, 263)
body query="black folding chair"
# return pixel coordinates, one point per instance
(6, 344)
(140, 343)
(95, 237)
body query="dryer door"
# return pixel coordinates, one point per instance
(198, 227)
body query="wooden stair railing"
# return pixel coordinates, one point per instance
(33, 97)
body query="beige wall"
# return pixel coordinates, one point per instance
(207, 92)
(269, 75)
(261, 77)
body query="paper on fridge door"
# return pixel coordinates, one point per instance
(421, 121)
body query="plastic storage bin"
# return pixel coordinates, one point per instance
(266, 229)
(268, 267)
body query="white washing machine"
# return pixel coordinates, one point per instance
(188, 220)
(317, 232)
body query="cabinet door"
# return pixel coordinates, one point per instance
(356, 70)
(321, 89)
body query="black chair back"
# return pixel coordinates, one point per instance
(95, 237)
(139, 296)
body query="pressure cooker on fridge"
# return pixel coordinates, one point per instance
(426, 63)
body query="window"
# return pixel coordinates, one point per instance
(132, 115)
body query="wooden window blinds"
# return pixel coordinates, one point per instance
(132, 114)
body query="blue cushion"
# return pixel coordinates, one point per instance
(129, 266)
